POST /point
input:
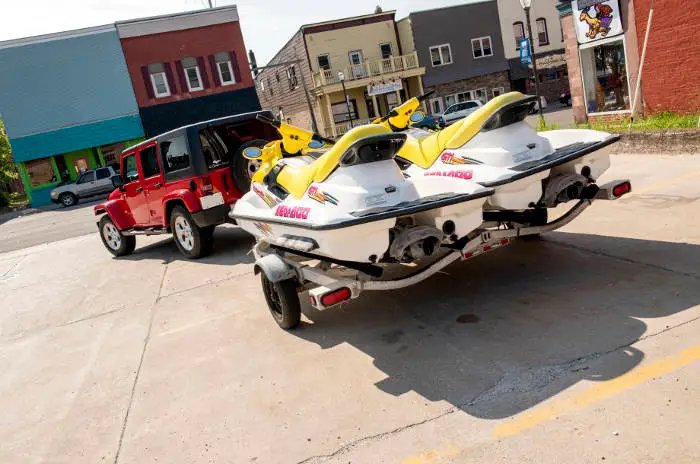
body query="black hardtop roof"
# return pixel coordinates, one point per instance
(223, 119)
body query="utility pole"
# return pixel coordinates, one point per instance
(526, 6)
(210, 4)
(341, 77)
(314, 125)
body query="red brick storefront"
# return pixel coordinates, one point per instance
(670, 76)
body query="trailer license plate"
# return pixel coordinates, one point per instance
(209, 201)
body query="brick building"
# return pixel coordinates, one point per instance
(604, 42)
(187, 67)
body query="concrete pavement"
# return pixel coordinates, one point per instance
(581, 346)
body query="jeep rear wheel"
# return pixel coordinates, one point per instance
(192, 241)
(68, 199)
(117, 243)
(243, 169)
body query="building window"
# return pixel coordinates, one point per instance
(193, 78)
(481, 47)
(40, 172)
(224, 68)
(518, 33)
(324, 61)
(159, 80)
(605, 78)
(340, 111)
(269, 86)
(385, 50)
(441, 55)
(262, 85)
(469, 95)
(450, 100)
(292, 77)
(542, 35)
(498, 91)
(436, 106)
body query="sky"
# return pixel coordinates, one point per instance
(266, 24)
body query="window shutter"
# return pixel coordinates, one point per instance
(147, 81)
(181, 75)
(236, 69)
(214, 70)
(171, 79)
(203, 72)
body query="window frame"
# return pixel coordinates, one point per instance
(358, 53)
(500, 90)
(481, 44)
(355, 112)
(328, 60)
(600, 43)
(292, 79)
(517, 40)
(546, 31)
(439, 48)
(230, 70)
(199, 78)
(155, 87)
(391, 50)
(432, 108)
(124, 172)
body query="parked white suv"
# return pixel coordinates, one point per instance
(88, 184)
(459, 111)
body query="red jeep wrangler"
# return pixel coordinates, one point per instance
(182, 182)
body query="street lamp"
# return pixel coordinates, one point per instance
(526, 6)
(341, 76)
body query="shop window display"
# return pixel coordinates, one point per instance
(605, 78)
(40, 172)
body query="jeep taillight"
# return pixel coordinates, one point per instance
(207, 186)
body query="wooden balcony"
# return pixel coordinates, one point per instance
(394, 67)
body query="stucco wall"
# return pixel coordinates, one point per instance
(406, 35)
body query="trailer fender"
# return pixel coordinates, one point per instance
(274, 268)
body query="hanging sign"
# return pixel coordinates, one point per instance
(380, 88)
(525, 56)
(596, 19)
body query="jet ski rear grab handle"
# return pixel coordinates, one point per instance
(284, 267)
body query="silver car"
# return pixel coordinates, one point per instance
(88, 184)
(459, 111)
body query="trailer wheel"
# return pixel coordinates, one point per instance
(283, 301)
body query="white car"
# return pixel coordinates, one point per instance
(458, 111)
(88, 184)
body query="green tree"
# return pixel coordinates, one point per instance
(7, 168)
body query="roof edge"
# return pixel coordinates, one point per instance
(22, 41)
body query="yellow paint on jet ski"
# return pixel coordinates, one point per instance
(425, 151)
(297, 179)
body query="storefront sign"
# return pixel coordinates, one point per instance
(551, 61)
(596, 20)
(380, 88)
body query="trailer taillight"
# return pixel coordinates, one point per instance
(336, 296)
(622, 189)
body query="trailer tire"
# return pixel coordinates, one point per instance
(242, 169)
(282, 301)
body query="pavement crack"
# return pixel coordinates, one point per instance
(213, 282)
(624, 259)
(17, 263)
(138, 369)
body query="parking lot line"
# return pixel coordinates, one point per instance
(596, 393)
(666, 182)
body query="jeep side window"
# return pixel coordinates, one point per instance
(129, 170)
(149, 162)
(214, 149)
(174, 154)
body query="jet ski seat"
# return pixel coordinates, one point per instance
(295, 178)
(425, 151)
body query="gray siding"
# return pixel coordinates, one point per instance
(457, 26)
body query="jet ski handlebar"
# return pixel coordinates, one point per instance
(420, 98)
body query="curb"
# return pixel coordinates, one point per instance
(666, 142)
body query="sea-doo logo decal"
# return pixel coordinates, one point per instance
(322, 197)
(451, 158)
(297, 212)
(457, 174)
(266, 197)
(263, 227)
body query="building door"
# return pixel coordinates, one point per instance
(81, 164)
(436, 106)
(358, 69)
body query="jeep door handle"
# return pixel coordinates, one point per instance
(157, 185)
(139, 189)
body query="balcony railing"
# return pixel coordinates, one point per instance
(370, 68)
(342, 127)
